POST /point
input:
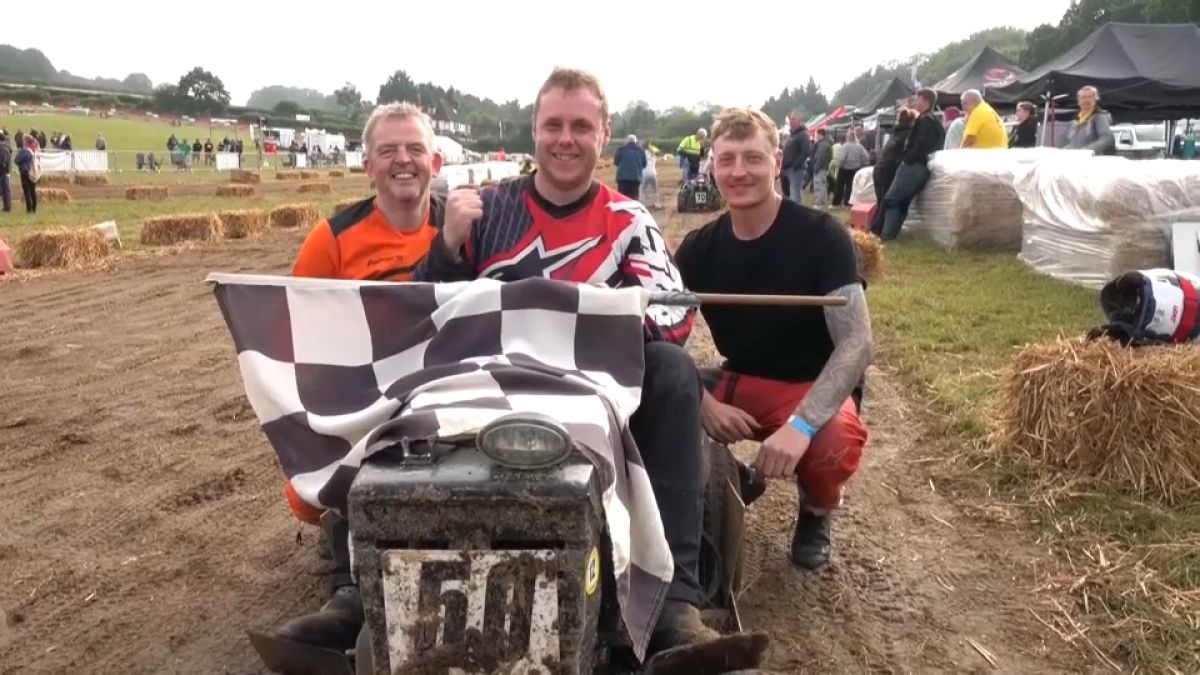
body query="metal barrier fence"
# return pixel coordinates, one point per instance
(124, 161)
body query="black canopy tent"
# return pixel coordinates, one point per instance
(1144, 72)
(987, 70)
(883, 96)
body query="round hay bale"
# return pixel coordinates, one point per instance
(245, 177)
(870, 254)
(62, 247)
(290, 216)
(1116, 415)
(167, 230)
(316, 188)
(53, 195)
(147, 193)
(287, 175)
(54, 179)
(244, 223)
(347, 203)
(358, 169)
(987, 214)
(91, 179)
(309, 175)
(236, 190)
(337, 173)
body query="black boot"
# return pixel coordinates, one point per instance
(336, 625)
(810, 543)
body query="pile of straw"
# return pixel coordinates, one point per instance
(53, 195)
(307, 174)
(62, 247)
(870, 254)
(53, 179)
(287, 175)
(236, 190)
(1096, 410)
(91, 179)
(337, 173)
(245, 177)
(316, 188)
(292, 216)
(345, 204)
(147, 193)
(167, 230)
(244, 223)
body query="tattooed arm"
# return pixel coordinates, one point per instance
(850, 328)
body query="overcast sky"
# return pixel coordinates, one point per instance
(664, 52)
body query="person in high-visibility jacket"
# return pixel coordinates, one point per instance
(690, 150)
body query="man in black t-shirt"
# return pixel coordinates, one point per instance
(789, 372)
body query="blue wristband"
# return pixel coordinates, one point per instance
(803, 426)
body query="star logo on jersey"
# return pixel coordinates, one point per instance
(536, 260)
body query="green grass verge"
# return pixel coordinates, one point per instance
(949, 323)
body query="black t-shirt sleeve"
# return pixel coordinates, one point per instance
(683, 257)
(837, 265)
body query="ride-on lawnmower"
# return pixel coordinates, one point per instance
(698, 194)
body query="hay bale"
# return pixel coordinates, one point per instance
(53, 179)
(358, 169)
(287, 175)
(987, 214)
(236, 190)
(870, 254)
(291, 216)
(147, 193)
(337, 173)
(309, 175)
(345, 204)
(167, 230)
(91, 179)
(53, 195)
(316, 188)
(245, 177)
(244, 223)
(62, 247)
(1096, 410)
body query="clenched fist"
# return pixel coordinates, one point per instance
(463, 208)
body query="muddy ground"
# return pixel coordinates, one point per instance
(146, 528)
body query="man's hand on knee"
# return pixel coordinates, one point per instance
(779, 455)
(727, 423)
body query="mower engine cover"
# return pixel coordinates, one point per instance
(465, 563)
(1159, 304)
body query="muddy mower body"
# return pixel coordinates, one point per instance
(698, 195)
(469, 565)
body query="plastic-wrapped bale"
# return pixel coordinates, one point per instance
(1090, 219)
(62, 247)
(1100, 411)
(863, 191)
(244, 223)
(167, 230)
(292, 216)
(969, 202)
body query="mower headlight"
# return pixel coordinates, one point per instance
(525, 441)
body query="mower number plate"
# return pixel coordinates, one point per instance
(437, 602)
(701, 197)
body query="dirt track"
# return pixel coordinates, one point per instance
(146, 527)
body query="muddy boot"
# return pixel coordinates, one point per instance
(336, 625)
(678, 625)
(810, 543)
(682, 645)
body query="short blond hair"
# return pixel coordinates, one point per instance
(572, 79)
(397, 111)
(740, 124)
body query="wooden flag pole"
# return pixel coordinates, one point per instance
(681, 299)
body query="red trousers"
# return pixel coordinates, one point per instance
(834, 453)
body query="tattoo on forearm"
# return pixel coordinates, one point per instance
(853, 348)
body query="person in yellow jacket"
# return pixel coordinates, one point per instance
(985, 129)
(690, 150)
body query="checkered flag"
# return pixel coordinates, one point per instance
(337, 370)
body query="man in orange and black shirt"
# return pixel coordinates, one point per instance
(382, 238)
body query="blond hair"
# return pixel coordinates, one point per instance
(397, 111)
(572, 79)
(740, 124)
